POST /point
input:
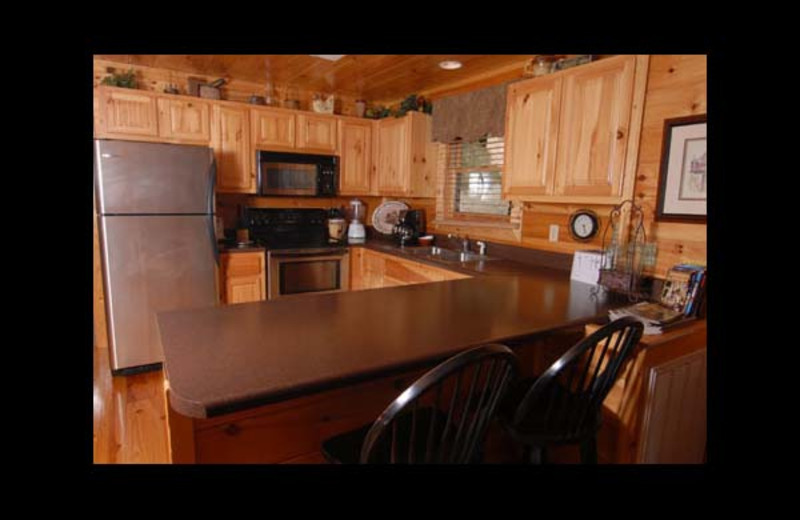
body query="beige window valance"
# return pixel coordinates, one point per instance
(470, 116)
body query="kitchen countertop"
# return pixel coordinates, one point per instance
(225, 247)
(493, 266)
(223, 359)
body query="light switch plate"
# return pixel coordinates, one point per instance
(553, 233)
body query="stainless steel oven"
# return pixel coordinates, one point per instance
(303, 271)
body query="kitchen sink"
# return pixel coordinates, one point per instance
(446, 255)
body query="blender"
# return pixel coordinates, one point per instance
(356, 233)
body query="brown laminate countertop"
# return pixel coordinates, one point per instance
(222, 359)
(233, 248)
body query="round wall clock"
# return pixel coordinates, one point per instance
(583, 225)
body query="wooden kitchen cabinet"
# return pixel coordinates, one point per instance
(272, 129)
(531, 136)
(573, 136)
(230, 138)
(593, 130)
(184, 120)
(355, 148)
(242, 277)
(406, 156)
(366, 269)
(293, 131)
(393, 168)
(371, 270)
(125, 114)
(316, 133)
(656, 411)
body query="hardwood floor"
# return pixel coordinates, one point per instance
(129, 422)
(130, 426)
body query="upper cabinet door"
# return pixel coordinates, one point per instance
(231, 141)
(126, 113)
(594, 128)
(393, 155)
(355, 148)
(272, 129)
(422, 166)
(316, 133)
(184, 120)
(532, 115)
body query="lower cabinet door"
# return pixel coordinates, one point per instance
(243, 277)
(244, 289)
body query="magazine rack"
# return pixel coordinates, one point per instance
(623, 261)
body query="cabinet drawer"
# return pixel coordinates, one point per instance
(243, 264)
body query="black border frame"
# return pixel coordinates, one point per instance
(669, 124)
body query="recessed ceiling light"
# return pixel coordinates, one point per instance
(329, 57)
(450, 64)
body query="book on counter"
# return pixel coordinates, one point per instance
(682, 297)
(656, 317)
(684, 288)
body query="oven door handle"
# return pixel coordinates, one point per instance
(309, 254)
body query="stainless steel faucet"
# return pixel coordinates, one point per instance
(481, 247)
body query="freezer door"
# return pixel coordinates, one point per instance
(153, 178)
(151, 264)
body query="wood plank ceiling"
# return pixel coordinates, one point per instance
(373, 77)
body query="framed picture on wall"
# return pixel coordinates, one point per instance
(683, 180)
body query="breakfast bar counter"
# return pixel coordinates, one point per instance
(223, 359)
(226, 365)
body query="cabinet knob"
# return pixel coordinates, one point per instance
(620, 134)
(232, 429)
(525, 99)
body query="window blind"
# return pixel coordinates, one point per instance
(473, 178)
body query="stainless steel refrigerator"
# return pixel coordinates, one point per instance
(155, 205)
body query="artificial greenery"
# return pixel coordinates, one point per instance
(414, 103)
(122, 79)
(378, 112)
(410, 104)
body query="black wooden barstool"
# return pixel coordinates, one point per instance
(564, 404)
(441, 418)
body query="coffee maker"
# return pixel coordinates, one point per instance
(416, 218)
(410, 225)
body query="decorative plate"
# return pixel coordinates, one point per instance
(387, 215)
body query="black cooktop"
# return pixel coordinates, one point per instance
(280, 228)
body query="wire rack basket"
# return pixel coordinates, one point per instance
(625, 259)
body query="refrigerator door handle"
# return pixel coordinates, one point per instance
(213, 237)
(212, 184)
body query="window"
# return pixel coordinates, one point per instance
(473, 173)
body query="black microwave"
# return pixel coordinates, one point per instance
(297, 174)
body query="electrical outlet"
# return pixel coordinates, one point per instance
(553, 233)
